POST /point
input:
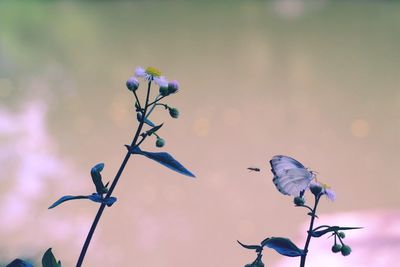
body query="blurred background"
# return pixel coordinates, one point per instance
(315, 80)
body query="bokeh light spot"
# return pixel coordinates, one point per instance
(201, 126)
(360, 128)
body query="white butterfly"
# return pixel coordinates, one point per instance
(290, 176)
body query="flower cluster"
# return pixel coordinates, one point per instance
(151, 74)
(166, 88)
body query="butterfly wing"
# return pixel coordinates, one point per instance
(293, 181)
(280, 164)
(290, 176)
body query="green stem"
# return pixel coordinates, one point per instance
(137, 100)
(313, 215)
(154, 103)
(114, 183)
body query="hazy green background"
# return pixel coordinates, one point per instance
(317, 80)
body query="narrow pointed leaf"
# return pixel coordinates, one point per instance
(283, 246)
(154, 129)
(19, 263)
(66, 198)
(253, 247)
(331, 229)
(139, 117)
(49, 260)
(164, 159)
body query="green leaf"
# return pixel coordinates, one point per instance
(66, 198)
(329, 229)
(139, 117)
(283, 246)
(97, 179)
(95, 197)
(257, 248)
(164, 159)
(19, 263)
(154, 129)
(49, 260)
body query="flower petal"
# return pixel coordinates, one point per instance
(330, 194)
(161, 81)
(140, 72)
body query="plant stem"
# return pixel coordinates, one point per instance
(114, 183)
(154, 105)
(156, 100)
(313, 215)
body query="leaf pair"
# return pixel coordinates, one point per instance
(328, 229)
(280, 244)
(95, 197)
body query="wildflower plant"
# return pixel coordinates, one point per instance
(291, 178)
(145, 129)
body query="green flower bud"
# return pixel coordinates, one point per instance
(316, 189)
(299, 201)
(173, 87)
(174, 113)
(160, 142)
(164, 91)
(132, 84)
(346, 250)
(341, 234)
(336, 248)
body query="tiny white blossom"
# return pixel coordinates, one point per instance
(140, 72)
(161, 81)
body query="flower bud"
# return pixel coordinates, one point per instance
(299, 201)
(341, 234)
(316, 189)
(336, 248)
(173, 87)
(164, 91)
(160, 142)
(132, 83)
(346, 250)
(174, 113)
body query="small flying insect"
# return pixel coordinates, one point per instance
(253, 169)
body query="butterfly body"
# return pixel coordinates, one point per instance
(290, 176)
